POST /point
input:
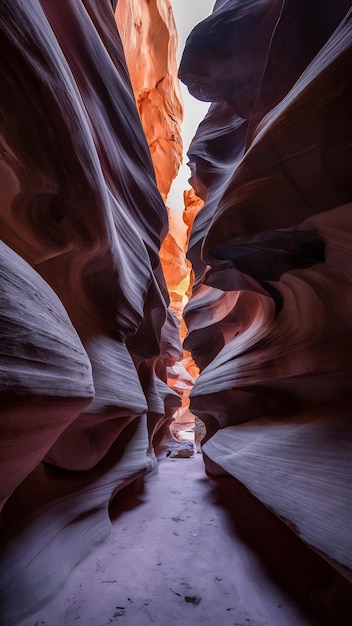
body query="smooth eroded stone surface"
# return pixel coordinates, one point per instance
(149, 37)
(87, 336)
(225, 54)
(269, 321)
(66, 516)
(312, 494)
(45, 374)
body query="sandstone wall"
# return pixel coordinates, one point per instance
(270, 316)
(86, 333)
(149, 37)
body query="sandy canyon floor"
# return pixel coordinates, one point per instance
(172, 558)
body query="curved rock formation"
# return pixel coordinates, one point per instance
(149, 37)
(269, 320)
(86, 331)
(46, 376)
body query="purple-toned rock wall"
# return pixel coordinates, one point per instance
(86, 335)
(270, 317)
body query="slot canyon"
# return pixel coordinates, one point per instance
(127, 327)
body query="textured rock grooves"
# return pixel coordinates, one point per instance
(86, 335)
(269, 319)
(88, 339)
(149, 38)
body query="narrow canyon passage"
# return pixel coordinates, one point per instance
(129, 305)
(172, 558)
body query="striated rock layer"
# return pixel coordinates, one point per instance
(86, 335)
(149, 37)
(270, 316)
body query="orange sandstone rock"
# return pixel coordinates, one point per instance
(193, 204)
(149, 37)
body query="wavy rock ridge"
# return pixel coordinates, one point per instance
(269, 320)
(86, 333)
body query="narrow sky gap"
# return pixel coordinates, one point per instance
(187, 14)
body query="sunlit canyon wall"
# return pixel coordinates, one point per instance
(270, 316)
(149, 38)
(86, 333)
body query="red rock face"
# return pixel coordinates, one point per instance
(85, 327)
(269, 320)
